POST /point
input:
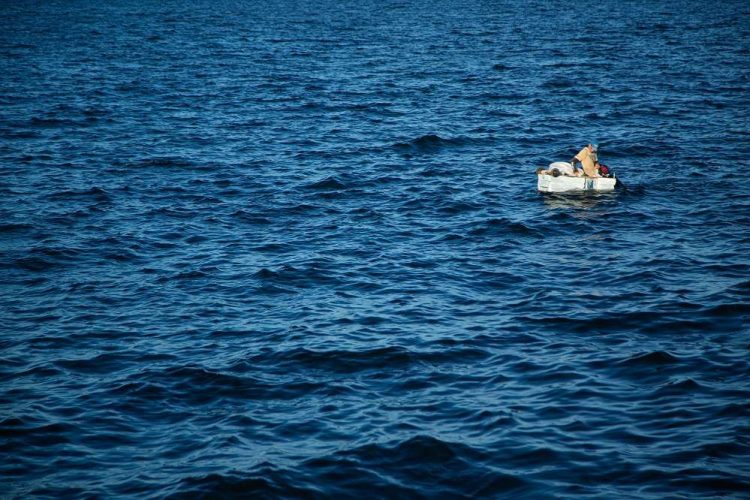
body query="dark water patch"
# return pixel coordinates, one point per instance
(329, 183)
(102, 363)
(55, 123)
(19, 134)
(428, 464)
(430, 143)
(655, 367)
(35, 264)
(251, 218)
(272, 248)
(678, 387)
(310, 275)
(265, 482)
(378, 359)
(122, 256)
(162, 162)
(510, 97)
(19, 433)
(729, 310)
(709, 481)
(499, 227)
(195, 385)
(559, 83)
(592, 322)
(176, 212)
(656, 358)
(15, 227)
(94, 193)
(38, 373)
(195, 274)
(459, 207)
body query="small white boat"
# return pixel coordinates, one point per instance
(558, 180)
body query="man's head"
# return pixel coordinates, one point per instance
(593, 147)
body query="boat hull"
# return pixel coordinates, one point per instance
(564, 184)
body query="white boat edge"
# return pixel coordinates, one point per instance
(564, 184)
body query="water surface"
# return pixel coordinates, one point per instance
(295, 248)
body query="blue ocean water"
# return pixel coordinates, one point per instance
(295, 249)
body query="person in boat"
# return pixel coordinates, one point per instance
(560, 168)
(587, 157)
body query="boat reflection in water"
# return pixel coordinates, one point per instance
(578, 201)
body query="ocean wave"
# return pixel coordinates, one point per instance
(329, 183)
(162, 161)
(429, 143)
(446, 468)
(196, 385)
(94, 193)
(15, 227)
(503, 226)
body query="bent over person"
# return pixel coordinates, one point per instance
(587, 157)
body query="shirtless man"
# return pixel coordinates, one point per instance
(587, 157)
